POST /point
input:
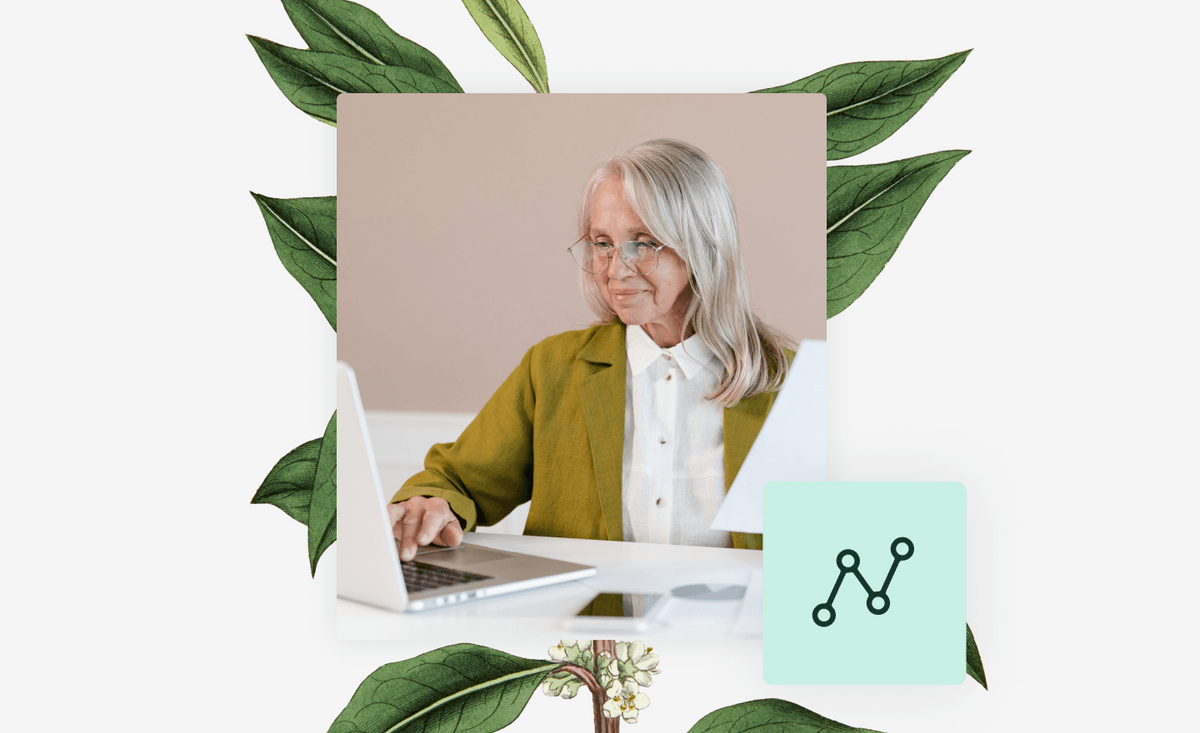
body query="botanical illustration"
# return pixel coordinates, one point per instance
(869, 209)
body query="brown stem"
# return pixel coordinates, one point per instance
(591, 681)
(603, 724)
(586, 675)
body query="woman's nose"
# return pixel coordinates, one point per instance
(618, 268)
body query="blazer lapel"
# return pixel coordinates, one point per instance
(603, 396)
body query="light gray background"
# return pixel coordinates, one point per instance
(455, 212)
(1032, 338)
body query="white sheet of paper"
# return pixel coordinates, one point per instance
(792, 445)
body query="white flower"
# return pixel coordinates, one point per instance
(553, 685)
(569, 650)
(563, 683)
(571, 688)
(625, 700)
(636, 660)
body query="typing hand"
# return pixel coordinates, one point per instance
(422, 520)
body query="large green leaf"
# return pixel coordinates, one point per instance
(974, 663)
(867, 101)
(506, 25)
(304, 232)
(349, 29)
(312, 80)
(289, 484)
(322, 513)
(769, 716)
(456, 689)
(868, 211)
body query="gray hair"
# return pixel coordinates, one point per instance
(681, 196)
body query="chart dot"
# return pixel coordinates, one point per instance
(877, 603)
(847, 559)
(823, 614)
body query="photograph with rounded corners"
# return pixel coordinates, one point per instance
(566, 325)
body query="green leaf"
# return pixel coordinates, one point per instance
(456, 688)
(769, 716)
(868, 211)
(289, 485)
(974, 663)
(867, 101)
(322, 514)
(304, 485)
(304, 232)
(506, 25)
(349, 29)
(312, 80)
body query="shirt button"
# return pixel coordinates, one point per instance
(667, 357)
(662, 441)
(658, 501)
(667, 378)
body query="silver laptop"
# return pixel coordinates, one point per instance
(369, 566)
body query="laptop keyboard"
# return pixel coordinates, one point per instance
(418, 576)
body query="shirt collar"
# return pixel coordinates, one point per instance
(691, 355)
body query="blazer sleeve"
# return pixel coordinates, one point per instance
(488, 471)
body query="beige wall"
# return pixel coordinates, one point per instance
(455, 212)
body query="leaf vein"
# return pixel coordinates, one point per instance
(501, 680)
(301, 237)
(520, 46)
(338, 32)
(868, 100)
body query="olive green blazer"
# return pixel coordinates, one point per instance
(553, 435)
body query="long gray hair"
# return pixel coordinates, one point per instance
(681, 196)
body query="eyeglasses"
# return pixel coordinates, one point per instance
(594, 257)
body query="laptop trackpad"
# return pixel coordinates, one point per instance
(463, 556)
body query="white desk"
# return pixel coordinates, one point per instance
(622, 567)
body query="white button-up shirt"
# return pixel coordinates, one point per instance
(673, 478)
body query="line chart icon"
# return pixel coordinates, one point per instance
(878, 601)
(900, 547)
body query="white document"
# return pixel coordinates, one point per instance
(792, 445)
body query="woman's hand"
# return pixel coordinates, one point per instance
(421, 520)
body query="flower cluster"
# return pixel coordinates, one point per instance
(564, 683)
(632, 670)
(625, 700)
(621, 676)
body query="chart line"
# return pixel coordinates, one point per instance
(878, 602)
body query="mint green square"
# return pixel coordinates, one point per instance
(919, 638)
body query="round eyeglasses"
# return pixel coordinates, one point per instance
(594, 257)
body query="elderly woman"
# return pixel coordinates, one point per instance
(632, 429)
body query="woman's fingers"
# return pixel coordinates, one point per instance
(452, 534)
(395, 512)
(431, 525)
(421, 520)
(409, 527)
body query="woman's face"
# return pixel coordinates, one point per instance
(657, 302)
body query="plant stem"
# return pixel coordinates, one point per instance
(586, 676)
(603, 724)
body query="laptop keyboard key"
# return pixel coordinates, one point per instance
(419, 576)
